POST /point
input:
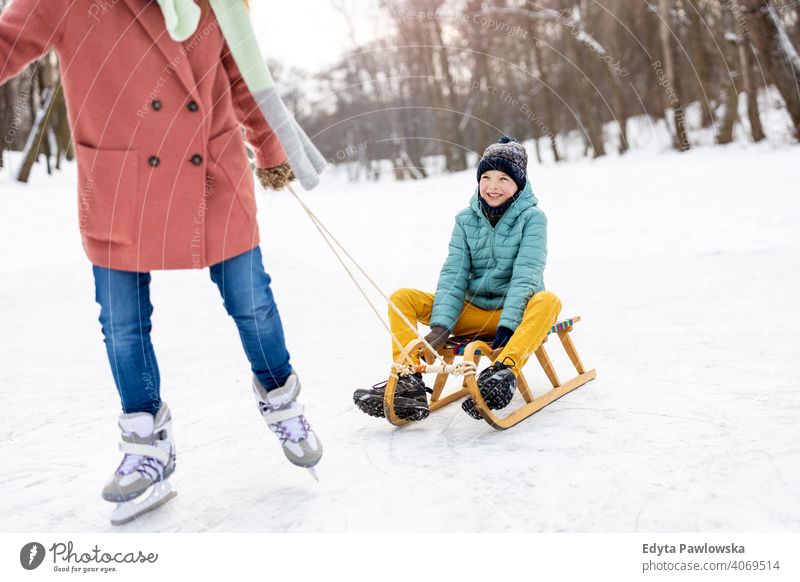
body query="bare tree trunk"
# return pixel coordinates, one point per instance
(592, 126)
(484, 110)
(621, 112)
(544, 75)
(697, 32)
(61, 129)
(580, 16)
(537, 149)
(730, 96)
(725, 129)
(681, 139)
(456, 153)
(408, 153)
(751, 92)
(38, 133)
(748, 79)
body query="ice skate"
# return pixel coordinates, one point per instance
(284, 416)
(497, 384)
(410, 398)
(140, 482)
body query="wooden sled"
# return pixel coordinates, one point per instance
(472, 350)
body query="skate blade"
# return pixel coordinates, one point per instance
(313, 472)
(127, 511)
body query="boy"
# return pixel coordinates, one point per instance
(491, 285)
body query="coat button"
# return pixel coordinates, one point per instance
(156, 105)
(197, 159)
(153, 161)
(192, 106)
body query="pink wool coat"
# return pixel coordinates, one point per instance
(163, 176)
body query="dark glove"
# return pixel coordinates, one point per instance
(501, 338)
(276, 178)
(437, 337)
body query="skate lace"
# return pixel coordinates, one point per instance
(147, 466)
(292, 429)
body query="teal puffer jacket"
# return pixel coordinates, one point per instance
(493, 268)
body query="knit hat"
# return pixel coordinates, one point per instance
(509, 156)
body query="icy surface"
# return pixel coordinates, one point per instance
(684, 268)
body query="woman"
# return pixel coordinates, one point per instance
(164, 183)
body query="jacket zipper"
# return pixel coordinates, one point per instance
(491, 228)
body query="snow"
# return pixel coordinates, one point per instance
(682, 266)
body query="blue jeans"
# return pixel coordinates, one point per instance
(125, 312)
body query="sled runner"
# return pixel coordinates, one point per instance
(472, 350)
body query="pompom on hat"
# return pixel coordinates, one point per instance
(508, 156)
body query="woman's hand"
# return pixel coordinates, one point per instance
(276, 178)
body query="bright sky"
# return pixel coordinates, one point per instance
(309, 33)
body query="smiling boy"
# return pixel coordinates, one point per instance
(491, 286)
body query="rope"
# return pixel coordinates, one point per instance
(460, 369)
(328, 237)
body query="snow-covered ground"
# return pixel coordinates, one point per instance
(684, 268)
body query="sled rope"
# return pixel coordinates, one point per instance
(460, 369)
(328, 236)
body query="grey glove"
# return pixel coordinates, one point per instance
(305, 159)
(437, 337)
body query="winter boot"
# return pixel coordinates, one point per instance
(410, 398)
(149, 454)
(497, 384)
(284, 416)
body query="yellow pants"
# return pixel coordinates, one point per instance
(540, 315)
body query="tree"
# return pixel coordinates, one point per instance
(775, 53)
(680, 137)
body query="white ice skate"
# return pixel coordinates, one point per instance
(140, 482)
(284, 416)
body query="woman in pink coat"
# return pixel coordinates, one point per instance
(164, 182)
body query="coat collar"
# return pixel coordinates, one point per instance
(150, 17)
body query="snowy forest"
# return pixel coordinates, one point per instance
(448, 76)
(465, 70)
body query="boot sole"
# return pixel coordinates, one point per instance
(404, 408)
(494, 400)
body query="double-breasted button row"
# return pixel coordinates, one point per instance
(191, 106)
(196, 159)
